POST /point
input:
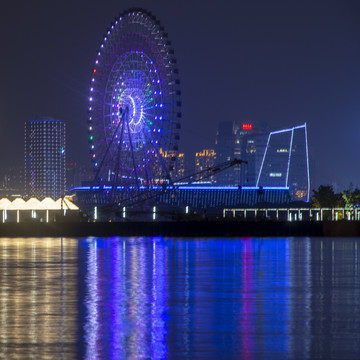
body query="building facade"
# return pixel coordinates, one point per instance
(171, 160)
(225, 151)
(240, 140)
(203, 160)
(45, 159)
(286, 162)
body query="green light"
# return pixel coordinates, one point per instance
(91, 137)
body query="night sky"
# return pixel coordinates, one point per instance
(280, 62)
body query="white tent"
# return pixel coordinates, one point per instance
(35, 204)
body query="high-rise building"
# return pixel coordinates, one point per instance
(225, 151)
(286, 162)
(204, 160)
(240, 140)
(250, 139)
(171, 161)
(44, 158)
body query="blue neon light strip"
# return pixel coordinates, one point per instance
(289, 158)
(207, 187)
(307, 164)
(84, 188)
(263, 160)
(286, 130)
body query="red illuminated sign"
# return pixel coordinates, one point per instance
(247, 126)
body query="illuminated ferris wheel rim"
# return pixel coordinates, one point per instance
(151, 98)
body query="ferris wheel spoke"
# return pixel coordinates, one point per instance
(108, 148)
(132, 153)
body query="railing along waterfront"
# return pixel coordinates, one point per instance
(294, 214)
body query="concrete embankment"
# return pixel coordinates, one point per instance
(183, 229)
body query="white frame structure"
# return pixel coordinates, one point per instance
(290, 153)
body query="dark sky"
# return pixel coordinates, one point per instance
(282, 62)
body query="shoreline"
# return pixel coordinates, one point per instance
(210, 228)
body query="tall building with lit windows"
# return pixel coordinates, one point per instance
(44, 158)
(173, 161)
(203, 160)
(240, 140)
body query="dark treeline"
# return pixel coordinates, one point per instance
(325, 197)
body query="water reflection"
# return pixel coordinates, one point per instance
(156, 298)
(38, 294)
(126, 299)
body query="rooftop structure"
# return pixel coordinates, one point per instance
(46, 210)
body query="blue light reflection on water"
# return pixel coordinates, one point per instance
(156, 298)
(203, 299)
(125, 301)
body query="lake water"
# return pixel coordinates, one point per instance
(158, 298)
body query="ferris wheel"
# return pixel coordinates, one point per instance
(134, 103)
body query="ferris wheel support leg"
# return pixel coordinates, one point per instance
(108, 148)
(132, 153)
(116, 170)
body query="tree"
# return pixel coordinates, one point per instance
(351, 196)
(325, 197)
